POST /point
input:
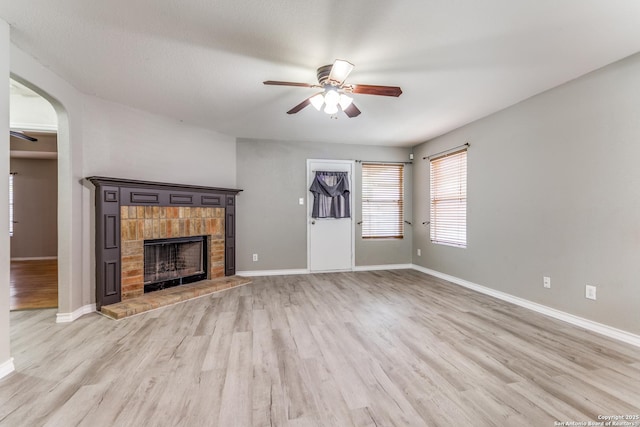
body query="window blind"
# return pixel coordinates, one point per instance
(448, 181)
(382, 200)
(11, 205)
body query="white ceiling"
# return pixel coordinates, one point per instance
(203, 61)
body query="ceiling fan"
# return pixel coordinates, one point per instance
(22, 136)
(331, 79)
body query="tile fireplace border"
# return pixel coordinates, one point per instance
(140, 223)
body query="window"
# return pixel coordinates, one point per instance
(10, 204)
(382, 200)
(448, 224)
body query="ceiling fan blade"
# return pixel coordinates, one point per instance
(352, 111)
(22, 136)
(277, 83)
(300, 106)
(340, 71)
(377, 90)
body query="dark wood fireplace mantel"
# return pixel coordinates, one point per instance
(114, 193)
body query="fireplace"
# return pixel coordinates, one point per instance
(131, 214)
(173, 262)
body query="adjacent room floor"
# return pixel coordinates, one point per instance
(33, 284)
(392, 348)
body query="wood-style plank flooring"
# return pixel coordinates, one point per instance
(33, 284)
(392, 348)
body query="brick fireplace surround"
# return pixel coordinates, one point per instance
(140, 223)
(128, 212)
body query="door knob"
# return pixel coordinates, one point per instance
(313, 222)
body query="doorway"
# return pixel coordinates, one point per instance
(330, 240)
(33, 201)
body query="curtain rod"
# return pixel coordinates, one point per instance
(445, 152)
(383, 163)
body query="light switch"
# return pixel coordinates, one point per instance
(301, 201)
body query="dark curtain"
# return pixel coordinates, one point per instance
(330, 195)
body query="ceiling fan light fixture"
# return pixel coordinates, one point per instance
(331, 98)
(340, 70)
(317, 101)
(344, 101)
(331, 108)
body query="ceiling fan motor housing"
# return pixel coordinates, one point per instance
(323, 74)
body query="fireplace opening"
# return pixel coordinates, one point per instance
(173, 262)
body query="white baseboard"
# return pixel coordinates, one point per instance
(306, 271)
(254, 273)
(34, 258)
(6, 368)
(383, 267)
(602, 329)
(70, 317)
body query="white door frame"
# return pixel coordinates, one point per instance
(351, 164)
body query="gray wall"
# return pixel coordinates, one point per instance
(272, 224)
(553, 190)
(123, 142)
(6, 364)
(46, 143)
(35, 208)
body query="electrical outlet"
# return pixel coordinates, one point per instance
(255, 257)
(546, 281)
(590, 292)
(419, 252)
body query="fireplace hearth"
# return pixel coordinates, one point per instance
(173, 262)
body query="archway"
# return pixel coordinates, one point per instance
(33, 196)
(64, 262)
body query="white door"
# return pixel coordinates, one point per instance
(330, 241)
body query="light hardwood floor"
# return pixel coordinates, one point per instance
(33, 284)
(393, 348)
